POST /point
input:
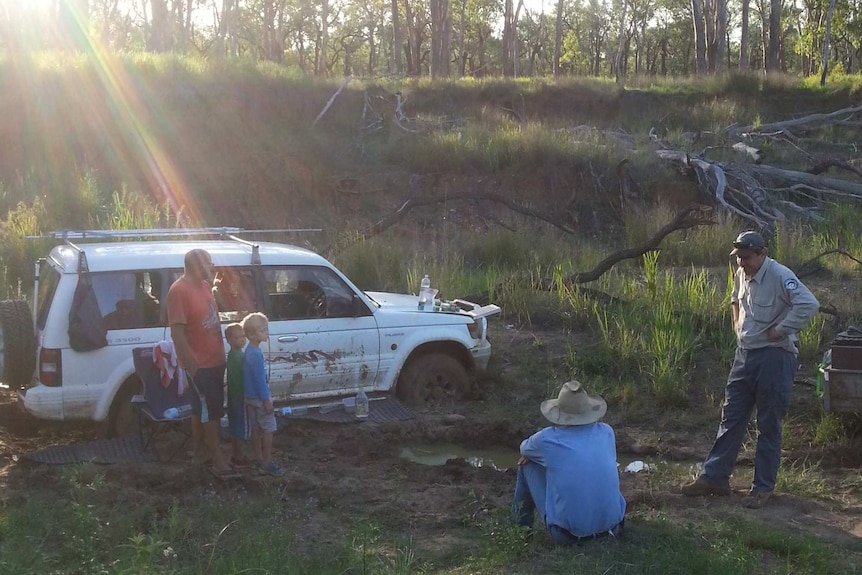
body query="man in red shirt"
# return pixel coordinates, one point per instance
(196, 332)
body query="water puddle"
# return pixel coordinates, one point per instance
(500, 458)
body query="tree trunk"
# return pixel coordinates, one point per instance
(664, 55)
(699, 36)
(160, 29)
(506, 39)
(743, 40)
(827, 38)
(515, 52)
(224, 25)
(558, 39)
(324, 37)
(396, 38)
(441, 44)
(709, 17)
(618, 63)
(720, 33)
(773, 54)
(411, 51)
(462, 55)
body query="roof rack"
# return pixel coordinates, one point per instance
(159, 232)
(224, 232)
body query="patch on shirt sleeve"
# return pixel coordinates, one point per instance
(790, 284)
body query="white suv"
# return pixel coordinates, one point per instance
(95, 302)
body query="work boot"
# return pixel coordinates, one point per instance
(703, 487)
(756, 498)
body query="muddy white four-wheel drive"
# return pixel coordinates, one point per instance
(95, 302)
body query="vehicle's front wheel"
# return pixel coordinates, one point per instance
(17, 343)
(432, 378)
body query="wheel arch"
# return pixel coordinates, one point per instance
(120, 399)
(448, 347)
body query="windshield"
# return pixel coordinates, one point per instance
(48, 280)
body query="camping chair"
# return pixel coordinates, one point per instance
(155, 400)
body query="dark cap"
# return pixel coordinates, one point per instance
(748, 241)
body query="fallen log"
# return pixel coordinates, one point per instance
(803, 121)
(823, 182)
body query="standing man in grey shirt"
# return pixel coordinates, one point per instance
(770, 307)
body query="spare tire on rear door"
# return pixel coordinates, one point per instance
(17, 343)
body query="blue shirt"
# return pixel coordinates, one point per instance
(254, 378)
(583, 485)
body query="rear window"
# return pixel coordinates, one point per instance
(129, 299)
(48, 280)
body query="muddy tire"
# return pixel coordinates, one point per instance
(123, 418)
(431, 379)
(17, 343)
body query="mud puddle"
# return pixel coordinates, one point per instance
(500, 459)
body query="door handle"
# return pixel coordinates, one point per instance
(288, 338)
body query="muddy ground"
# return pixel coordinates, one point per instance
(333, 469)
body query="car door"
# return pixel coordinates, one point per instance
(323, 339)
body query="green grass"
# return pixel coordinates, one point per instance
(77, 529)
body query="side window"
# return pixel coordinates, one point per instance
(128, 300)
(235, 291)
(307, 293)
(49, 278)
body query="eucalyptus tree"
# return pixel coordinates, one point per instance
(595, 33)
(511, 15)
(773, 52)
(744, 35)
(441, 37)
(417, 23)
(641, 20)
(476, 47)
(535, 33)
(558, 37)
(361, 34)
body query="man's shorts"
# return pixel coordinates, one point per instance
(206, 393)
(264, 422)
(239, 428)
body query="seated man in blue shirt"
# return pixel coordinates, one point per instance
(568, 472)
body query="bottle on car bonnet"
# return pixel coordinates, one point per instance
(424, 292)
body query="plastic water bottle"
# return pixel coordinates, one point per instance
(424, 288)
(292, 411)
(177, 412)
(362, 402)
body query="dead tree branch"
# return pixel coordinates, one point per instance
(331, 100)
(690, 217)
(813, 265)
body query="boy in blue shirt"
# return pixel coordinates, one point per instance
(568, 472)
(258, 402)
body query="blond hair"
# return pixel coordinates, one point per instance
(253, 322)
(231, 327)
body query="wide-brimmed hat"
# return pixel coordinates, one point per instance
(750, 241)
(573, 406)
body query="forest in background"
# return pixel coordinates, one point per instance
(619, 39)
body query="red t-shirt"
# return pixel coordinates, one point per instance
(192, 304)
